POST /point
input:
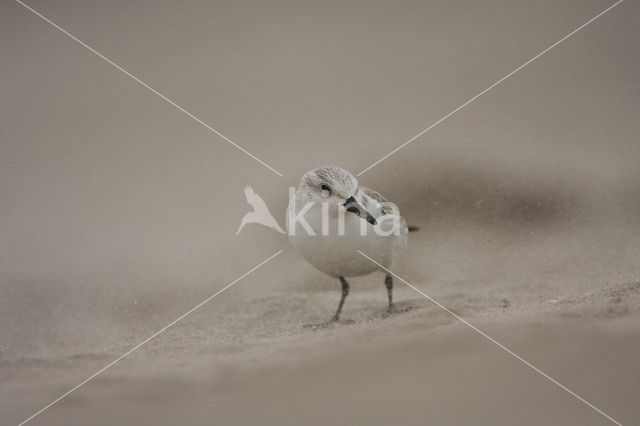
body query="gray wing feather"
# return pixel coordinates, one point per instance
(385, 207)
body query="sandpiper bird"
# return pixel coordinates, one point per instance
(330, 217)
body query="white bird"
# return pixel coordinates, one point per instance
(343, 218)
(260, 213)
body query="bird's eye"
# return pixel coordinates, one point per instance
(326, 191)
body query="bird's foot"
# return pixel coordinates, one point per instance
(395, 309)
(332, 322)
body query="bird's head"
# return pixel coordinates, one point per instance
(335, 186)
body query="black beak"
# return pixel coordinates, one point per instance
(355, 207)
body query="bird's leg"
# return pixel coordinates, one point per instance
(345, 292)
(336, 317)
(388, 282)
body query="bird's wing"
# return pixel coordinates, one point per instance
(381, 204)
(254, 199)
(383, 207)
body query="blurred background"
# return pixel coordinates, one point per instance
(118, 212)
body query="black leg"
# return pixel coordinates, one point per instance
(336, 317)
(388, 282)
(345, 292)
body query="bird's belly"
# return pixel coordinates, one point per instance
(336, 253)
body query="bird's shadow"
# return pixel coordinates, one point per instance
(399, 308)
(328, 324)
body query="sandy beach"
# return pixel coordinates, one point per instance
(246, 358)
(118, 212)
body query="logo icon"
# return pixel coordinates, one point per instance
(260, 214)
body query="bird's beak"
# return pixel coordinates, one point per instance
(353, 206)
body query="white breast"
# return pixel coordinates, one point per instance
(336, 254)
